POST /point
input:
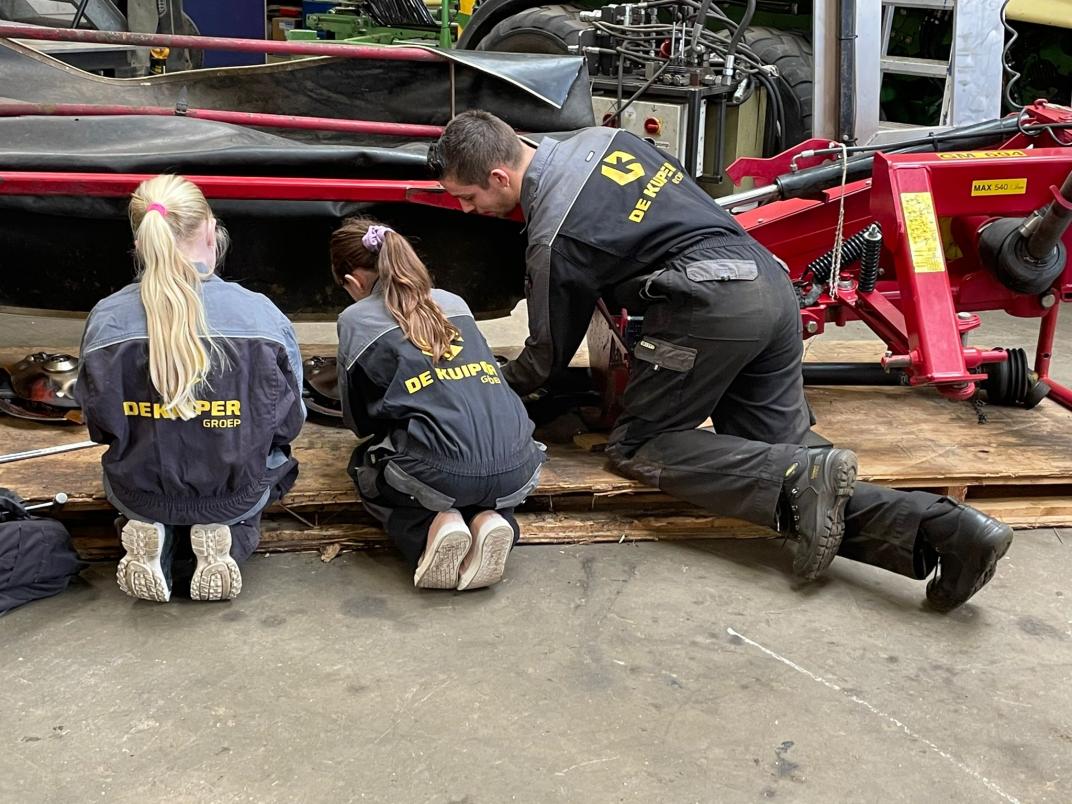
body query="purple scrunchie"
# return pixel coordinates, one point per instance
(374, 237)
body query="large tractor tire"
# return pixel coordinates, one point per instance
(792, 55)
(543, 29)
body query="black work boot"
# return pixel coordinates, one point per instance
(816, 489)
(969, 545)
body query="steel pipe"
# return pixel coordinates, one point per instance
(851, 374)
(1053, 224)
(45, 451)
(58, 500)
(11, 30)
(416, 130)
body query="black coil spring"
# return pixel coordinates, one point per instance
(823, 266)
(872, 249)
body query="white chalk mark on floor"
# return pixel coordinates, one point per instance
(564, 771)
(875, 711)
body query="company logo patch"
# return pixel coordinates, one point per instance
(455, 350)
(621, 168)
(213, 413)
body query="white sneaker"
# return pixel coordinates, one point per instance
(493, 539)
(448, 542)
(216, 576)
(139, 572)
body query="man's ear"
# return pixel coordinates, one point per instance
(500, 178)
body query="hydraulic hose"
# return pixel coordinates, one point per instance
(816, 179)
(701, 21)
(742, 26)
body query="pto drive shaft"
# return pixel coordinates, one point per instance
(1027, 255)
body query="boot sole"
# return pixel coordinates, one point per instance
(840, 474)
(944, 605)
(216, 576)
(440, 564)
(491, 548)
(139, 573)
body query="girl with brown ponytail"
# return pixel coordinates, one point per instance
(447, 450)
(195, 386)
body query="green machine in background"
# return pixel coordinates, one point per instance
(381, 22)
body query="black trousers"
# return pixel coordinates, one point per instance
(722, 339)
(407, 507)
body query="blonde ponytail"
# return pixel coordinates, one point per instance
(166, 211)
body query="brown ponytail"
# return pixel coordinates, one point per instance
(406, 284)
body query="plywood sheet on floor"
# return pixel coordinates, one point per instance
(904, 437)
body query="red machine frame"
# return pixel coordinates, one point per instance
(925, 311)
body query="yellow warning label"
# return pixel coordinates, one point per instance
(980, 154)
(999, 187)
(924, 239)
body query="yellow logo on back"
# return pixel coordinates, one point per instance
(455, 350)
(633, 169)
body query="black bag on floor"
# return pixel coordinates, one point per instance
(36, 556)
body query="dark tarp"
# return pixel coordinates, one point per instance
(65, 253)
(532, 93)
(184, 145)
(62, 261)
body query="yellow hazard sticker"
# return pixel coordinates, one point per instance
(924, 239)
(999, 187)
(980, 154)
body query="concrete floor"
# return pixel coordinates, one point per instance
(646, 672)
(666, 672)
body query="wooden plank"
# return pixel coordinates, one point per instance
(910, 438)
(541, 528)
(536, 528)
(904, 437)
(574, 527)
(1028, 512)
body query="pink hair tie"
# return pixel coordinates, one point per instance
(156, 207)
(374, 237)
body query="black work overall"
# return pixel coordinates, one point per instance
(405, 494)
(722, 339)
(437, 435)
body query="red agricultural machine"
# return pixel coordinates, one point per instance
(934, 239)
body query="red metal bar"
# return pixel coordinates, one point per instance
(973, 358)
(903, 205)
(237, 187)
(883, 318)
(18, 108)
(1044, 349)
(764, 171)
(12, 30)
(1061, 394)
(254, 188)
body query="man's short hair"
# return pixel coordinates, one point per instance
(473, 144)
